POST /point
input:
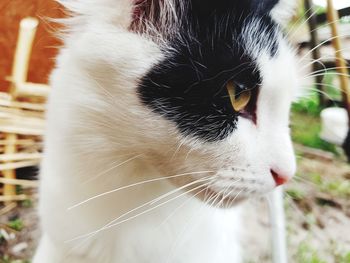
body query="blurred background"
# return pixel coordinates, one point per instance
(317, 201)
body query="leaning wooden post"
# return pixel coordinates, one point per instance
(342, 68)
(314, 41)
(27, 30)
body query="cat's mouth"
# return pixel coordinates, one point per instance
(221, 199)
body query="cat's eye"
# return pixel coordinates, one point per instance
(239, 98)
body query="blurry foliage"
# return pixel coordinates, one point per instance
(28, 203)
(295, 194)
(306, 129)
(344, 258)
(7, 259)
(340, 188)
(16, 224)
(306, 123)
(308, 254)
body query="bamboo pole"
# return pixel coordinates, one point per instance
(333, 18)
(22, 105)
(16, 165)
(24, 183)
(11, 198)
(314, 41)
(32, 89)
(27, 31)
(19, 157)
(10, 190)
(8, 208)
(22, 142)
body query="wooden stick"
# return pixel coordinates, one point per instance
(19, 157)
(9, 190)
(8, 208)
(22, 105)
(11, 166)
(6, 112)
(9, 198)
(24, 183)
(333, 17)
(21, 127)
(314, 41)
(20, 66)
(27, 30)
(22, 142)
(27, 89)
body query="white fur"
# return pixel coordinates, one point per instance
(100, 137)
(284, 11)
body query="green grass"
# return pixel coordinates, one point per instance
(6, 259)
(295, 194)
(336, 187)
(16, 224)
(308, 254)
(306, 129)
(344, 258)
(306, 124)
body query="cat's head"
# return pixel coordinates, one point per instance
(206, 88)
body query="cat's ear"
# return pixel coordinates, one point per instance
(117, 12)
(142, 16)
(284, 10)
(280, 10)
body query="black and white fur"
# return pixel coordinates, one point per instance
(143, 149)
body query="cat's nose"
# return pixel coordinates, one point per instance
(279, 178)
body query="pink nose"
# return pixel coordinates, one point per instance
(279, 179)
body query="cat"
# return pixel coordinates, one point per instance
(163, 117)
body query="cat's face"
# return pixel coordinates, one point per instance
(217, 46)
(188, 119)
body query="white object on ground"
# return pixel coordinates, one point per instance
(17, 249)
(338, 4)
(334, 125)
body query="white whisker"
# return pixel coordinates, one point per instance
(112, 168)
(133, 185)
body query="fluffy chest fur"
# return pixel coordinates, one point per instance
(146, 159)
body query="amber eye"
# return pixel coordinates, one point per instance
(239, 100)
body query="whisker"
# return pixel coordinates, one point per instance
(88, 236)
(150, 209)
(319, 60)
(296, 24)
(230, 192)
(110, 224)
(181, 234)
(323, 93)
(133, 185)
(294, 31)
(323, 42)
(112, 168)
(326, 71)
(183, 204)
(330, 73)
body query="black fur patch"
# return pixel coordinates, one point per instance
(189, 86)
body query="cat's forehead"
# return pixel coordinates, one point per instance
(254, 6)
(207, 20)
(166, 9)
